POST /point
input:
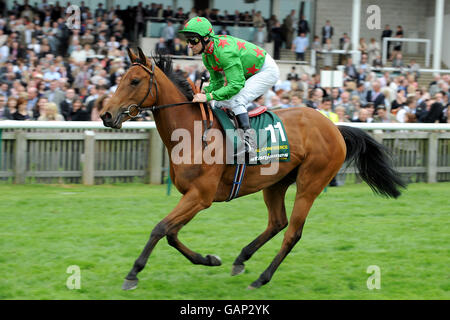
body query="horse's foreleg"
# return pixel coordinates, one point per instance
(190, 204)
(274, 199)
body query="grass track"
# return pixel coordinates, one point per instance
(102, 229)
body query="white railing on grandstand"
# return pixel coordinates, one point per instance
(426, 41)
(409, 70)
(355, 54)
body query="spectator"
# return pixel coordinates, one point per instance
(384, 116)
(293, 75)
(387, 33)
(397, 62)
(342, 116)
(290, 25)
(52, 74)
(361, 93)
(414, 68)
(21, 112)
(224, 31)
(79, 111)
(303, 26)
(168, 34)
(375, 96)
(275, 103)
(363, 116)
(258, 20)
(325, 109)
(55, 94)
(32, 95)
(178, 48)
(327, 32)
(317, 47)
(4, 110)
(50, 113)
(433, 112)
(285, 101)
(99, 105)
(67, 104)
(373, 51)
(161, 47)
(398, 44)
(327, 56)
(399, 102)
(363, 47)
(350, 70)
(277, 38)
(39, 106)
(297, 99)
(12, 105)
(300, 45)
(260, 37)
(345, 45)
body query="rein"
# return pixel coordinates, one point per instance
(134, 110)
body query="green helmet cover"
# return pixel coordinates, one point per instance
(200, 26)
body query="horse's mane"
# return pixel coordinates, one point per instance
(164, 63)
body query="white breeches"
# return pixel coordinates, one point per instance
(255, 86)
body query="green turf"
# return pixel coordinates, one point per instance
(102, 229)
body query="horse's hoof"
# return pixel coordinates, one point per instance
(214, 260)
(255, 285)
(237, 269)
(130, 284)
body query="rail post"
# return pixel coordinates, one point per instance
(432, 158)
(155, 157)
(20, 155)
(88, 159)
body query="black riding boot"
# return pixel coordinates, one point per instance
(248, 137)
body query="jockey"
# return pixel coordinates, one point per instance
(248, 69)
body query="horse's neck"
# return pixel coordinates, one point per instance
(169, 119)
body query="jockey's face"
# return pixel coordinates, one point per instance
(196, 48)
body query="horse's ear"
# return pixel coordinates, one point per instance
(131, 55)
(142, 56)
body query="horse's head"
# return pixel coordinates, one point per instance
(136, 90)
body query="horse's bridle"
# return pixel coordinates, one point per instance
(134, 110)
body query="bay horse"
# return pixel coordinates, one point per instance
(318, 150)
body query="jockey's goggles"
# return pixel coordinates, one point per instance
(193, 41)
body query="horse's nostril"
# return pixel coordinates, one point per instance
(106, 116)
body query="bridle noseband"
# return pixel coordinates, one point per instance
(134, 110)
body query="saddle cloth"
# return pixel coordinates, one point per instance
(271, 138)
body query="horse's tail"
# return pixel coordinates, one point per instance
(373, 161)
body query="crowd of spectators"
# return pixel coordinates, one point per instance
(390, 98)
(50, 71)
(369, 94)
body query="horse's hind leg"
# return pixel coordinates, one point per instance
(274, 199)
(313, 177)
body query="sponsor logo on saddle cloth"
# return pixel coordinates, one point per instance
(271, 138)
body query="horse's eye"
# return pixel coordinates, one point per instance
(135, 82)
